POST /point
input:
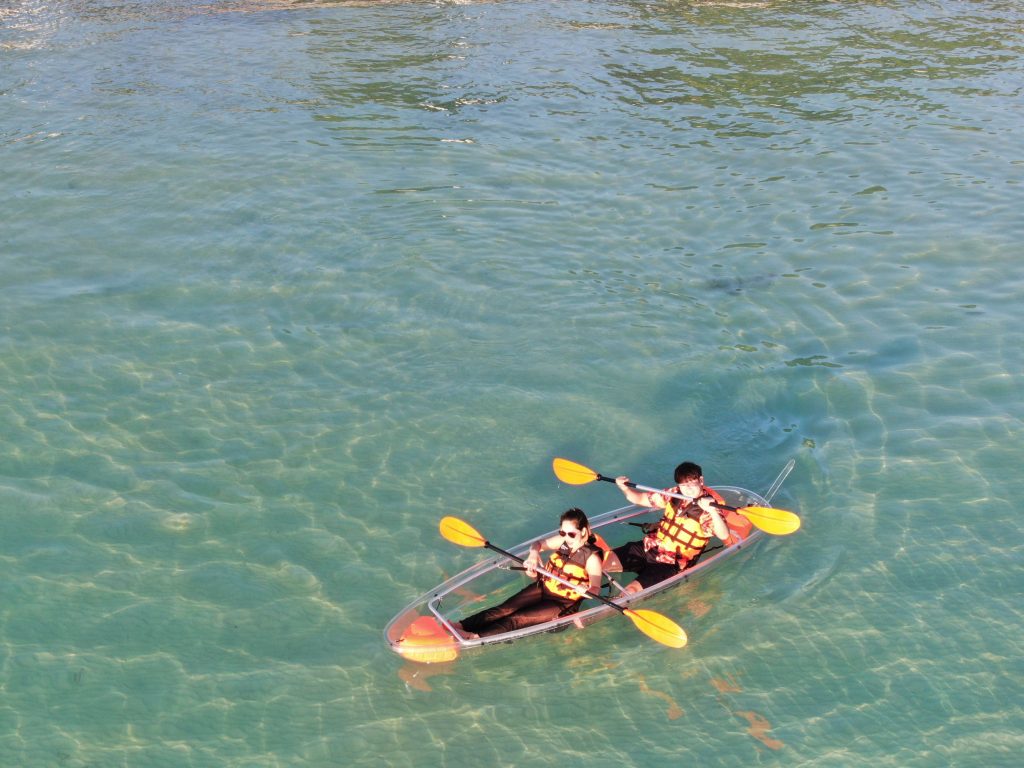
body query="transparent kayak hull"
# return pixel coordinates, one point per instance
(424, 632)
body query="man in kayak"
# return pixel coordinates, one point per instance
(577, 560)
(677, 540)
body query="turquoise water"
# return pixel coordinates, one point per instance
(284, 283)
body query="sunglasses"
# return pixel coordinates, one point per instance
(570, 534)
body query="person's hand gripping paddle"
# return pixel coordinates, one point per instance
(778, 522)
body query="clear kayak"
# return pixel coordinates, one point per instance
(424, 631)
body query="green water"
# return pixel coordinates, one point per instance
(284, 283)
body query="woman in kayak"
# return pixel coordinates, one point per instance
(576, 559)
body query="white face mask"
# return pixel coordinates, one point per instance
(690, 489)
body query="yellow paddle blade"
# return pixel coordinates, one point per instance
(658, 627)
(572, 473)
(460, 532)
(775, 521)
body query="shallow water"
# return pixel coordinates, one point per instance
(284, 283)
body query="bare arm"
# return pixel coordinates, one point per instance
(533, 559)
(595, 573)
(633, 496)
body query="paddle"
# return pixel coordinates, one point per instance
(775, 521)
(652, 624)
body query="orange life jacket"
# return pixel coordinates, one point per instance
(681, 534)
(572, 568)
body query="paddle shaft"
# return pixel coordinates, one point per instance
(551, 575)
(665, 493)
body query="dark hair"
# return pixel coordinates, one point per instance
(575, 515)
(688, 471)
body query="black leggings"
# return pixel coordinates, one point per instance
(642, 562)
(529, 606)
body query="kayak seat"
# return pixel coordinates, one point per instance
(739, 527)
